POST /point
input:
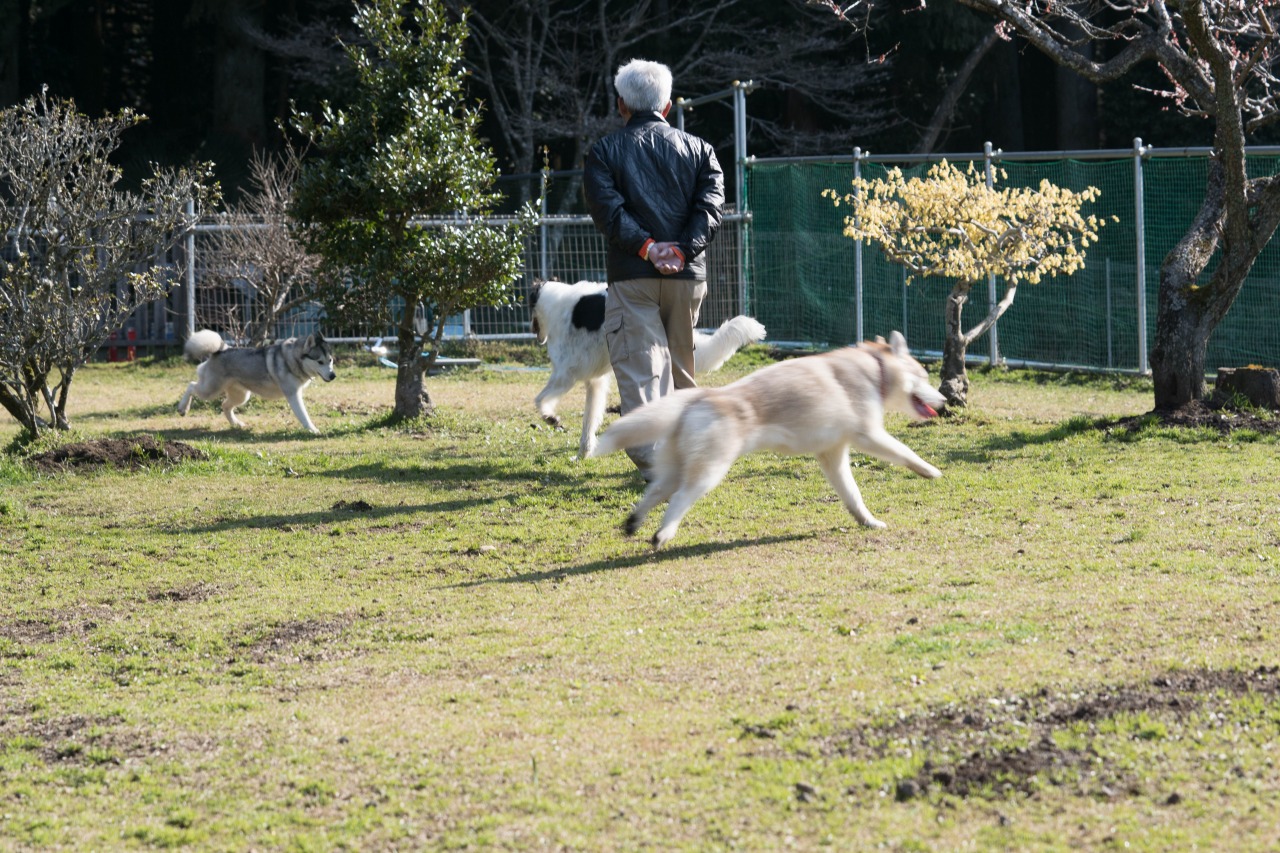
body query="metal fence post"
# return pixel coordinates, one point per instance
(1110, 354)
(993, 335)
(740, 91)
(1140, 225)
(857, 256)
(189, 244)
(542, 224)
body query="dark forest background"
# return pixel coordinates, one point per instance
(216, 77)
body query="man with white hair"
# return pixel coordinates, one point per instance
(656, 194)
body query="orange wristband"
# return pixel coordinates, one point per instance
(679, 253)
(644, 250)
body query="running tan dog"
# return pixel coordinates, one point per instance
(568, 319)
(820, 404)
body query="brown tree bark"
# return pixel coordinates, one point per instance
(955, 377)
(412, 398)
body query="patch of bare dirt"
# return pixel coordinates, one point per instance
(129, 453)
(93, 741)
(286, 637)
(967, 746)
(353, 506)
(1199, 413)
(25, 631)
(56, 625)
(189, 592)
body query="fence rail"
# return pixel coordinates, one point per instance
(808, 282)
(563, 247)
(785, 261)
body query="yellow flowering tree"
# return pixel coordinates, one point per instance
(950, 224)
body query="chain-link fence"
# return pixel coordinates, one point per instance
(808, 283)
(787, 263)
(563, 247)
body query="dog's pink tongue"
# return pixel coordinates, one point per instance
(923, 408)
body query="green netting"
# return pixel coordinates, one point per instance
(802, 280)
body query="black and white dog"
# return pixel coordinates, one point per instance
(567, 318)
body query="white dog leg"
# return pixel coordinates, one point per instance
(300, 412)
(835, 465)
(886, 448)
(549, 397)
(235, 397)
(694, 487)
(658, 491)
(593, 416)
(184, 405)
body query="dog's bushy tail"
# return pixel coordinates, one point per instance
(203, 344)
(733, 335)
(648, 424)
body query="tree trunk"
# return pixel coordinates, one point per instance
(955, 378)
(1182, 341)
(412, 398)
(1076, 99)
(946, 109)
(1188, 314)
(21, 411)
(239, 77)
(1005, 111)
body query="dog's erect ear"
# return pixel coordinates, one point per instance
(898, 344)
(535, 290)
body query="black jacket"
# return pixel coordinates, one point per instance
(651, 181)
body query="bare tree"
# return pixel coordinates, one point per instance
(78, 253)
(944, 113)
(255, 252)
(546, 68)
(1221, 59)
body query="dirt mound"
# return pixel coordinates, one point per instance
(1204, 414)
(968, 745)
(131, 453)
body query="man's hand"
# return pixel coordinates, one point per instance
(666, 258)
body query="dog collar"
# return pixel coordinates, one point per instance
(884, 374)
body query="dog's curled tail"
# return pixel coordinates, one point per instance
(732, 336)
(203, 344)
(648, 424)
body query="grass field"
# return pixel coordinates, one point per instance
(435, 636)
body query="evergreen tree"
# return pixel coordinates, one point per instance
(405, 148)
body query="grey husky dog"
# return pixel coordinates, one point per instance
(568, 319)
(277, 370)
(819, 404)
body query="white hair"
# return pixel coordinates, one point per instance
(644, 86)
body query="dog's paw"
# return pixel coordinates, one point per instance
(662, 537)
(554, 421)
(632, 524)
(873, 523)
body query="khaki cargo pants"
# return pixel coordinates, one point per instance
(648, 325)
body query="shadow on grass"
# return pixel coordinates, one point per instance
(680, 552)
(434, 469)
(341, 511)
(1079, 425)
(568, 488)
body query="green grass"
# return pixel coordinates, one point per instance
(434, 636)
